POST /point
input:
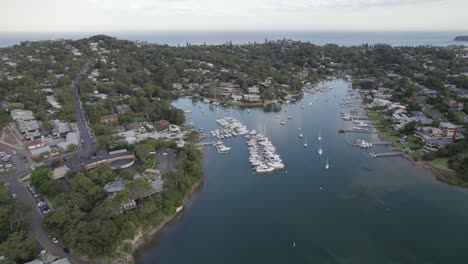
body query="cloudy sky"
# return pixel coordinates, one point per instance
(125, 15)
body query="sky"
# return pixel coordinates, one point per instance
(232, 15)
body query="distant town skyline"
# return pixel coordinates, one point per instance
(127, 15)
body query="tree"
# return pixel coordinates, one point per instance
(19, 247)
(143, 151)
(410, 127)
(4, 118)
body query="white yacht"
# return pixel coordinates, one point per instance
(320, 151)
(320, 135)
(283, 123)
(328, 165)
(301, 135)
(305, 143)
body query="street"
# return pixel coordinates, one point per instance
(34, 217)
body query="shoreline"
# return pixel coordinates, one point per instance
(448, 177)
(147, 236)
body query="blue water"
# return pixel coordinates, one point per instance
(362, 210)
(213, 37)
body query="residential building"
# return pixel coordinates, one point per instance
(34, 144)
(121, 109)
(108, 119)
(252, 97)
(449, 130)
(162, 124)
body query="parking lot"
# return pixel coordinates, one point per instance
(5, 162)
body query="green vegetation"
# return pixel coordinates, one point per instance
(15, 244)
(456, 157)
(89, 223)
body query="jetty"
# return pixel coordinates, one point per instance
(356, 131)
(389, 154)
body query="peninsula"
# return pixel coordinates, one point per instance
(461, 38)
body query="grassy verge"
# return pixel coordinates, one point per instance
(441, 163)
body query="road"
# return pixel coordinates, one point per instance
(88, 147)
(34, 217)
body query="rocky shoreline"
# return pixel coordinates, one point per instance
(144, 237)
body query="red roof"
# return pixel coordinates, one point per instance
(34, 143)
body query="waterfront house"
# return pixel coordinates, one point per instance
(252, 97)
(449, 130)
(253, 90)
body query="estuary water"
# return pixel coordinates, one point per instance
(361, 210)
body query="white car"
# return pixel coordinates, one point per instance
(41, 203)
(54, 240)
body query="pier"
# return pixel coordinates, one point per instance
(204, 144)
(356, 131)
(389, 154)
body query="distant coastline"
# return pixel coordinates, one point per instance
(175, 38)
(461, 38)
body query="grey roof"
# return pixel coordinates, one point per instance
(61, 261)
(18, 114)
(116, 186)
(40, 151)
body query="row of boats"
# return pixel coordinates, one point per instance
(231, 128)
(362, 143)
(263, 156)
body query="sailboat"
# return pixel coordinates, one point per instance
(301, 135)
(320, 151)
(320, 135)
(305, 143)
(327, 166)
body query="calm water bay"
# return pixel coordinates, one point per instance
(361, 210)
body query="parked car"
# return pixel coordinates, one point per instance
(13, 195)
(41, 203)
(45, 210)
(54, 240)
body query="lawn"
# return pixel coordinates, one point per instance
(441, 163)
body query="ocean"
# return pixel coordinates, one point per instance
(174, 38)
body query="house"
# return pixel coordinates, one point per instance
(108, 119)
(236, 97)
(436, 144)
(60, 128)
(449, 130)
(382, 102)
(252, 97)
(135, 127)
(174, 129)
(176, 86)
(19, 114)
(121, 109)
(34, 144)
(162, 124)
(40, 151)
(253, 90)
